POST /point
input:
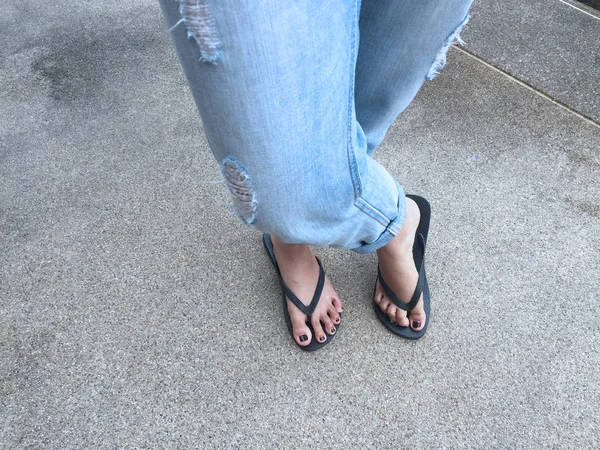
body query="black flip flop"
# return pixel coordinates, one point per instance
(422, 285)
(308, 310)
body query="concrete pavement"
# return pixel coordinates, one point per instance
(135, 311)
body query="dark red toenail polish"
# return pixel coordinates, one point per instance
(303, 338)
(332, 330)
(322, 338)
(416, 324)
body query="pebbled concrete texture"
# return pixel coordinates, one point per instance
(546, 43)
(136, 311)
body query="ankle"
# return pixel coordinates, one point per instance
(291, 251)
(399, 247)
(402, 243)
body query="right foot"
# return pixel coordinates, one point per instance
(398, 269)
(300, 271)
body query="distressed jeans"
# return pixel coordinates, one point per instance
(295, 96)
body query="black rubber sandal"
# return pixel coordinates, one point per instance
(422, 285)
(308, 310)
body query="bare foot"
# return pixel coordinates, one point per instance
(300, 271)
(399, 272)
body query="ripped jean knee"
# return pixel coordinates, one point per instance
(240, 189)
(200, 25)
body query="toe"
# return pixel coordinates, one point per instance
(300, 330)
(378, 294)
(384, 304)
(318, 329)
(334, 315)
(401, 318)
(378, 298)
(337, 304)
(391, 312)
(328, 324)
(417, 317)
(302, 334)
(319, 334)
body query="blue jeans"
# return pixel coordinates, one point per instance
(293, 104)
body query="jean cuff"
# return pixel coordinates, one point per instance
(391, 230)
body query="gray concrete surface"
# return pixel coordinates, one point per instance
(545, 43)
(135, 311)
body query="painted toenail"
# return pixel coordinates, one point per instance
(332, 330)
(416, 324)
(322, 338)
(303, 338)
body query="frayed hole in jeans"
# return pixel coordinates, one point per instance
(240, 188)
(440, 60)
(201, 28)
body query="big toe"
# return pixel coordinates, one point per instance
(417, 319)
(300, 329)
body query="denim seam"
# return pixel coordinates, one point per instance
(387, 234)
(372, 212)
(362, 204)
(390, 224)
(352, 164)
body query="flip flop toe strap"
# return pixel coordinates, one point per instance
(308, 310)
(420, 282)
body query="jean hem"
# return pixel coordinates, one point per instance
(392, 228)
